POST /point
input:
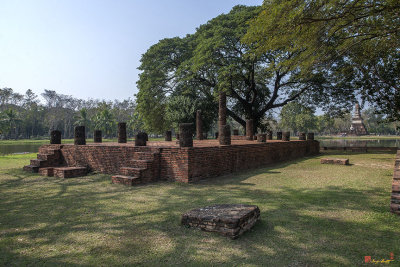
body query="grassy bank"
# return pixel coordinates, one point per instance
(364, 137)
(312, 214)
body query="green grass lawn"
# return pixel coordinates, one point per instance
(312, 215)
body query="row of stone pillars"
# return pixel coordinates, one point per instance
(80, 135)
(224, 131)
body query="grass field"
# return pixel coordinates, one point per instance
(312, 215)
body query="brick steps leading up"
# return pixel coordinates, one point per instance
(139, 171)
(39, 163)
(69, 172)
(48, 171)
(130, 171)
(46, 160)
(141, 163)
(125, 180)
(31, 168)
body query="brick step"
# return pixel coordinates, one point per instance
(141, 163)
(130, 171)
(143, 155)
(48, 151)
(48, 171)
(31, 168)
(39, 163)
(396, 195)
(125, 180)
(395, 208)
(45, 156)
(69, 172)
(396, 187)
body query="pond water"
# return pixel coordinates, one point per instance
(33, 148)
(19, 148)
(359, 143)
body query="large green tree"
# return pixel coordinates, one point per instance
(359, 39)
(215, 59)
(298, 118)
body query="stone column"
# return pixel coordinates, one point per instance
(79, 135)
(261, 138)
(55, 137)
(122, 132)
(310, 136)
(225, 138)
(235, 132)
(279, 136)
(249, 130)
(97, 138)
(185, 135)
(286, 136)
(269, 136)
(199, 126)
(302, 136)
(168, 136)
(222, 109)
(140, 139)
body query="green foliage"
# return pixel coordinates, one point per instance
(59, 112)
(325, 124)
(105, 121)
(215, 59)
(358, 39)
(297, 118)
(182, 109)
(9, 122)
(82, 119)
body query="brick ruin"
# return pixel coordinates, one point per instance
(168, 161)
(185, 161)
(395, 198)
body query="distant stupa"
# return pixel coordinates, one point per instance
(357, 125)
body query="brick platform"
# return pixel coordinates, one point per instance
(69, 172)
(395, 198)
(335, 161)
(231, 220)
(165, 160)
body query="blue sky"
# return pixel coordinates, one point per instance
(87, 48)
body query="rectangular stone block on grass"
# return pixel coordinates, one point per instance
(335, 161)
(230, 220)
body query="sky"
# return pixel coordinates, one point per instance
(91, 48)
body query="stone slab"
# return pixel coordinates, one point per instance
(230, 220)
(335, 161)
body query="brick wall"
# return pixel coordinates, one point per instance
(206, 162)
(185, 164)
(395, 198)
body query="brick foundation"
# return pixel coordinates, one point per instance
(165, 161)
(395, 198)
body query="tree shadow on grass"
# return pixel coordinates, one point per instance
(299, 226)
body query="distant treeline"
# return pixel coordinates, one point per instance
(25, 116)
